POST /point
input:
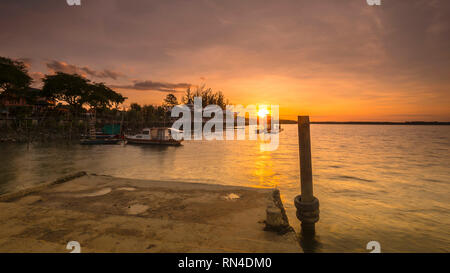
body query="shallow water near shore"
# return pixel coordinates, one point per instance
(389, 184)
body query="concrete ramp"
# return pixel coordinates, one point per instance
(109, 214)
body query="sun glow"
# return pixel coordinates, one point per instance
(263, 112)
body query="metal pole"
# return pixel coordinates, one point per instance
(307, 205)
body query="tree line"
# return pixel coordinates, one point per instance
(150, 115)
(73, 89)
(54, 110)
(74, 97)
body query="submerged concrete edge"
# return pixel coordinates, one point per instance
(7, 197)
(276, 217)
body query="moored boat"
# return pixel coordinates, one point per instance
(110, 134)
(154, 136)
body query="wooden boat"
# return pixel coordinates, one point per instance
(110, 133)
(154, 136)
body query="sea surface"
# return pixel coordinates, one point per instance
(385, 183)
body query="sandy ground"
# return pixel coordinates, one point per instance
(108, 214)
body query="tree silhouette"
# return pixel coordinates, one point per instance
(170, 101)
(77, 91)
(72, 89)
(208, 97)
(13, 76)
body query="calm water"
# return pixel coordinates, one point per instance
(384, 183)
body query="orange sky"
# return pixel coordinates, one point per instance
(332, 60)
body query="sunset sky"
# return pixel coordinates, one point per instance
(332, 60)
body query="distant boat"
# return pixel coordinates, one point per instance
(269, 131)
(155, 136)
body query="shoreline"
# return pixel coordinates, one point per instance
(62, 138)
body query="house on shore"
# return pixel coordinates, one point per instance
(30, 97)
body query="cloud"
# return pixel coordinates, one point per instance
(26, 61)
(155, 86)
(57, 66)
(296, 52)
(36, 76)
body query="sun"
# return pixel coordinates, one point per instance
(263, 112)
